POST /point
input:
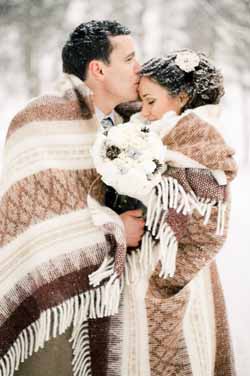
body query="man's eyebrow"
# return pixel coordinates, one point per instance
(132, 54)
(145, 95)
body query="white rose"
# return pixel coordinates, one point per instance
(187, 60)
(149, 167)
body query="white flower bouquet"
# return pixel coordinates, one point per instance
(130, 158)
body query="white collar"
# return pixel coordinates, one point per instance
(100, 115)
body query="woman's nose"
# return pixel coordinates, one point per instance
(145, 112)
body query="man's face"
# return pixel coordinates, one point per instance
(121, 79)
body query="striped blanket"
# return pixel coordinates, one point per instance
(55, 316)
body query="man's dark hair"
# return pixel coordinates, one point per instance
(90, 41)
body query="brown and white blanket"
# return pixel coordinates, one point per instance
(55, 233)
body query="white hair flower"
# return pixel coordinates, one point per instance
(187, 60)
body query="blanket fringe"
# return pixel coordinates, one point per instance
(205, 206)
(135, 267)
(167, 194)
(222, 206)
(81, 362)
(96, 303)
(168, 251)
(170, 194)
(106, 270)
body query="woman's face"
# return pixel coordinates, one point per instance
(156, 100)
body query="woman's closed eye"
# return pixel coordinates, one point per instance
(151, 101)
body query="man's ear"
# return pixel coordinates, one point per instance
(95, 69)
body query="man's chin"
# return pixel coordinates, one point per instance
(133, 97)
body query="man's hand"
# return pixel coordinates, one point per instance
(134, 226)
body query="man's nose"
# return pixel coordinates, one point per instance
(137, 67)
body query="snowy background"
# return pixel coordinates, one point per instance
(32, 34)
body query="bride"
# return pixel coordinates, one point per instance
(180, 95)
(183, 90)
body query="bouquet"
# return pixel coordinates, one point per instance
(130, 158)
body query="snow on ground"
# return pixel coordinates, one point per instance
(234, 268)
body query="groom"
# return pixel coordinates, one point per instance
(102, 54)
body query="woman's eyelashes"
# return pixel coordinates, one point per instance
(151, 101)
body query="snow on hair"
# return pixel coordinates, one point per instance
(202, 81)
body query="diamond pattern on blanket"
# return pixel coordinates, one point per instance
(167, 348)
(42, 196)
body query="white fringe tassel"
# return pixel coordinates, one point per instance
(167, 194)
(81, 363)
(112, 288)
(136, 265)
(168, 251)
(221, 218)
(104, 271)
(170, 194)
(100, 302)
(205, 206)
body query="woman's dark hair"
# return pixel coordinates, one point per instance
(90, 41)
(203, 83)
